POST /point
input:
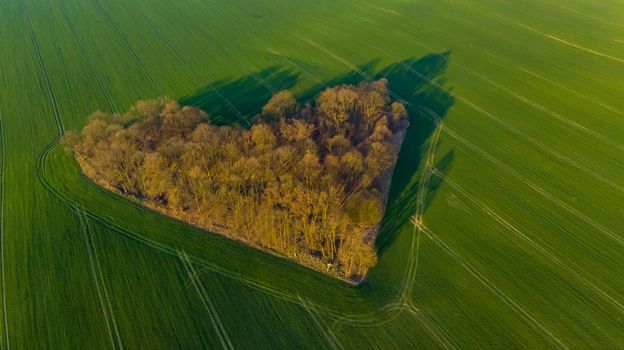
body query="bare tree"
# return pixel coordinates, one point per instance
(304, 182)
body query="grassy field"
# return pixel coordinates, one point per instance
(513, 167)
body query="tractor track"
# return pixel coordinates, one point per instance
(194, 71)
(124, 38)
(85, 53)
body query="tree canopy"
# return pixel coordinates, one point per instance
(305, 181)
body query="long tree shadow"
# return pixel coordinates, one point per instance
(224, 99)
(419, 82)
(247, 95)
(351, 77)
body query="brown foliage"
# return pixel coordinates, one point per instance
(308, 183)
(281, 105)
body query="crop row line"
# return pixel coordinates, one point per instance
(558, 202)
(535, 187)
(384, 314)
(271, 50)
(493, 14)
(73, 209)
(546, 110)
(528, 101)
(549, 255)
(527, 71)
(44, 71)
(554, 83)
(536, 105)
(404, 298)
(110, 101)
(518, 96)
(581, 14)
(85, 53)
(417, 218)
(522, 134)
(82, 216)
(438, 335)
(98, 279)
(349, 64)
(524, 314)
(498, 218)
(417, 223)
(128, 46)
(541, 77)
(226, 52)
(194, 71)
(321, 325)
(559, 40)
(217, 324)
(413, 257)
(60, 130)
(297, 66)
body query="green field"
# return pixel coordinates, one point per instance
(519, 192)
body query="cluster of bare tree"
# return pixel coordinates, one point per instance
(308, 182)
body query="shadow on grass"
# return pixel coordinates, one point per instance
(421, 83)
(417, 81)
(247, 94)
